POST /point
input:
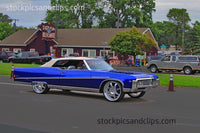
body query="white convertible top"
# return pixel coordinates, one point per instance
(52, 61)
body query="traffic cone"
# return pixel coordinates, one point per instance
(12, 72)
(171, 84)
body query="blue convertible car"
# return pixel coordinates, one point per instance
(86, 74)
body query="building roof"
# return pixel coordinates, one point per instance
(71, 37)
(88, 37)
(18, 38)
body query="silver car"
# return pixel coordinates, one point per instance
(189, 64)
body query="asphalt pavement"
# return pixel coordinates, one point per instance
(23, 111)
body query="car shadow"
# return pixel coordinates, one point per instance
(77, 94)
(96, 96)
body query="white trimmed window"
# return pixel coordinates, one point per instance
(66, 51)
(17, 50)
(5, 49)
(32, 50)
(109, 52)
(88, 53)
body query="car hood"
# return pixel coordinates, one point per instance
(136, 74)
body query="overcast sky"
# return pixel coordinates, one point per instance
(30, 12)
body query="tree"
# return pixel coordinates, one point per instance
(102, 13)
(5, 30)
(165, 33)
(192, 45)
(5, 18)
(131, 42)
(126, 13)
(24, 28)
(180, 18)
(73, 13)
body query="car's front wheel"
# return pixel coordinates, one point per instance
(40, 88)
(136, 94)
(153, 69)
(113, 91)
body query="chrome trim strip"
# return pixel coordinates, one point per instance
(112, 80)
(87, 65)
(37, 78)
(62, 87)
(99, 77)
(74, 88)
(93, 77)
(138, 89)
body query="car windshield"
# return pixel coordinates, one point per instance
(98, 64)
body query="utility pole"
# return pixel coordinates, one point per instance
(118, 23)
(14, 24)
(183, 31)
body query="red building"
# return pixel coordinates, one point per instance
(85, 42)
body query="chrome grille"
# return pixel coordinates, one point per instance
(145, 83)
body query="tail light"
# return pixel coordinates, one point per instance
(198, 64)
(40, 59)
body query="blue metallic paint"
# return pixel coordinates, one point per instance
(77, 78)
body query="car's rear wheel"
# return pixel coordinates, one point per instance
(40, 88)
(113, 91)
(187, 70)
(136, 94)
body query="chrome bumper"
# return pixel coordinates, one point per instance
(142, 85)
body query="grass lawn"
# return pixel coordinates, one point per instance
(5, 68)
(180, 80)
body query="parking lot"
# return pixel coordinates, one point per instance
(23, 111)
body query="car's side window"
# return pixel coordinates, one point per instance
(167, 58)
(173, 58)
(70, 64)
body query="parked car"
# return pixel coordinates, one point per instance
(74, 54)
(187, 63)
(86, 74)
(5, 55)
(29, 58)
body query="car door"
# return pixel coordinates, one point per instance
(165, 63)
(76, 78)
(74, 73)
(174, 64)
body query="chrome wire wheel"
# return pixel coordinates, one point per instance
(40, 88)
(136, 94)
(113, 91)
